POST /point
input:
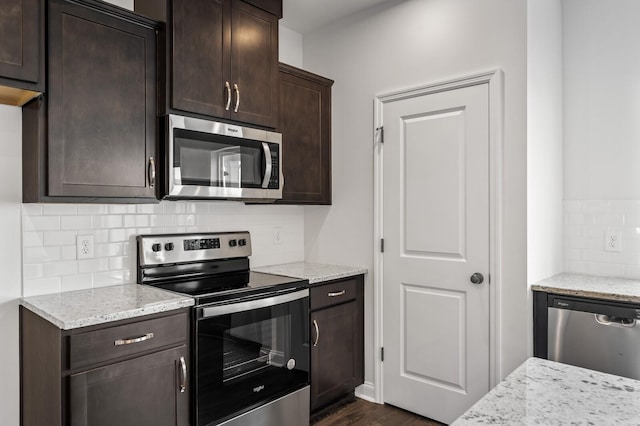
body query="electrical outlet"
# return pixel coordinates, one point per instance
(277, 235)
(84, 247)
(613, 241)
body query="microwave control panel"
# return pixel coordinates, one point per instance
(275, 167)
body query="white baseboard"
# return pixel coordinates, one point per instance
(367, 391)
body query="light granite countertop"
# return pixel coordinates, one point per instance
(591, 286)
(81, 308)
(314, 272)
(542, 392)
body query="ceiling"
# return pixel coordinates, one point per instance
(304, 16)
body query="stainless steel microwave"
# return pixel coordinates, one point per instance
(215, 160)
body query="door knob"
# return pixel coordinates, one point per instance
(477, 278)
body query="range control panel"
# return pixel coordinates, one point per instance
(161, 249)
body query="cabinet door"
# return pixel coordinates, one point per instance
(20, 28)
(141, 391)
(335, 359)
(200, 56)
(101, 103)
(305, 124)
(254, 65)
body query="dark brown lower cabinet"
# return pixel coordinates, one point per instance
(337, 333)
(137, 392)
(83, 377)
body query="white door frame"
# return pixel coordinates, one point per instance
(495, 79)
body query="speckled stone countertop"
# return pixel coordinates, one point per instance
(591, 286)
(542, 392)
(314, 272)
(81, 308)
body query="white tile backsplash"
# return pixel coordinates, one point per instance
(586, 222)
(49, 232)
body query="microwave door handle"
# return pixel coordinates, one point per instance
(267, 162)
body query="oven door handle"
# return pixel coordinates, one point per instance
(214, 311)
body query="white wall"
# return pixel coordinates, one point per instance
(601, 134)
(602, 99)
(544, 139)
(10, 260)
(290, 43)
(401, 44)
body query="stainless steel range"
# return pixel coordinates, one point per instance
(250, 333)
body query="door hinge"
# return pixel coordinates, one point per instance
(381, 130)
(381, 245)
(382, 354)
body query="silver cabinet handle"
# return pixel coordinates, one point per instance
(337, 293)
(237, 90)
(228, 87)
(121, 342)
(183, 375)
(152, 172)
(315, 324)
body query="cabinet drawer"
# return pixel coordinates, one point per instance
(102, 345)
(334, 293)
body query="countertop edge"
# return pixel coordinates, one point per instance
(315, 273)
(591, 286)
(106, 318)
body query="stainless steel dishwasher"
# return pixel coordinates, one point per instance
(599, 335)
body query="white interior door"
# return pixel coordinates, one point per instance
(436, 234)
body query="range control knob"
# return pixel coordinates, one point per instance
(168, 246)
(233, 243)
(156, 247)
(242, 242)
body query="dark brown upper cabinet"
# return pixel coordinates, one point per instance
(21, 50)
(94, 134)
(222, 58)
(305, 124)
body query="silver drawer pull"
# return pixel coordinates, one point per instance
(337, 293)
(121, 342)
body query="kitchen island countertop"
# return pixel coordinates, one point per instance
(609, 288)
(542, 392)
(81, 308)
(314, 272)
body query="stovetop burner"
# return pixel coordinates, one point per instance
(208, 266)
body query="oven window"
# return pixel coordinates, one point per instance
(250, 357)
(229, 163)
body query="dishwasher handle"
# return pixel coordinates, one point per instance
(614, 321)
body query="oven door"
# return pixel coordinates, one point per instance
(210, 159)
(250, 352)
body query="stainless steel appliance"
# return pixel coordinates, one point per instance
(211, 159)
(599, 335)
(250, 332)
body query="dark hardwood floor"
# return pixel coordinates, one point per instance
(363, 413)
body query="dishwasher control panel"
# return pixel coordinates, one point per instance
(603, 307)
